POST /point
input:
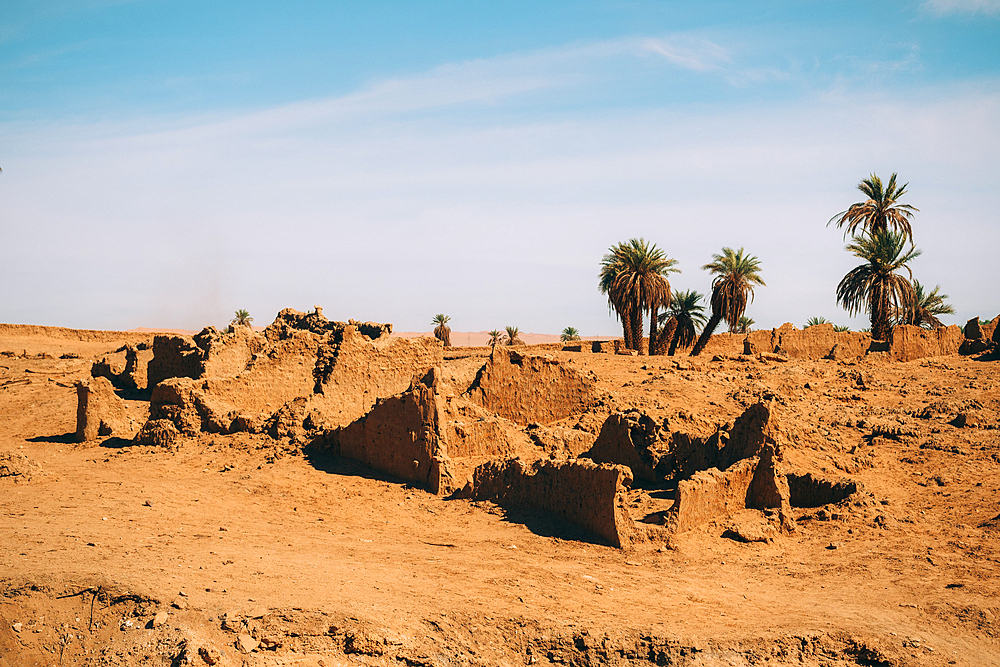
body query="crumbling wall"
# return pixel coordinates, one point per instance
(173, 357)
(209, 353)
(813, 342)
(132, 376)
(473, 431)
(528, 389)
(908, 342)
(338, 369)
(809, 490)
(820, 341)
(400, 436)
(227, 354)
(980, 337)
(582, 492)
(756, 428)
(186, 403)
(353, 370)
(100, 413)
(754, 483)
(629, 439)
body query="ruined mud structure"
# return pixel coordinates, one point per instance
(321, 492)
(498, 424)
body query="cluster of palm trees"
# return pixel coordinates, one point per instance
(880, 228)
(634, 278)
(509, 336)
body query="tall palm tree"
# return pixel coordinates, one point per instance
(689, 314)
(925, 307)
(881, 211)
(242, 318)
(495, 338)
(735, 276)
(633, 275)
(874, 285)
(511, 336)
(568, 334)
(442, 331)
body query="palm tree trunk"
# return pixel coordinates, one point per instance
(706, 334)
(627, 330)
(637, 331)
(652, 331)
(674, 340)
(668, 337)
(880, 312)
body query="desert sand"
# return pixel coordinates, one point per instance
(247, 549)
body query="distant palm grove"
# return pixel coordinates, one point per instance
(634, 277)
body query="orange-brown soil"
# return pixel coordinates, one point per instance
(238, 549)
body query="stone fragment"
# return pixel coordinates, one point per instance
(246, 643)
(159, 619)
(210, 655)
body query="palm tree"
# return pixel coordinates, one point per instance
(925, 307)
(511, 336)
(840, 328)
(667, 332)
(880, 212)
(495, 338)
(242, 318)
(743, 326)
(688, 314)
(442, 331)
(633, 275)
(874, 285)
(568, 334)
(735, 276)
(813, 321)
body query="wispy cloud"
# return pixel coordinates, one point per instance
(698, 56)
(946, 7)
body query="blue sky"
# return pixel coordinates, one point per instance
(165, 163)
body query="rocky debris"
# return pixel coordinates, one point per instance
(582, 492)
(17, 467)
(100, 412)
(526, 388)
(158, 433)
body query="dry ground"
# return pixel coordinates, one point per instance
(328, 563)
